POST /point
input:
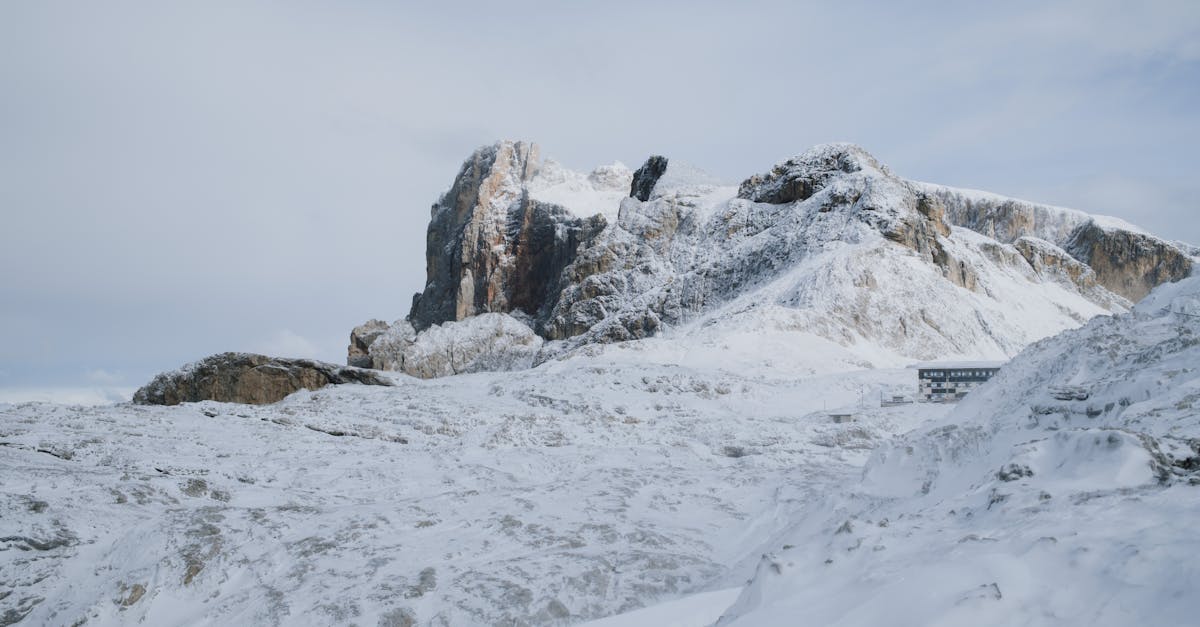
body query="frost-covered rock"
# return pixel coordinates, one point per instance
(858, 254)
(1125, 260)
(487, 342)
(491, 245)
(248, 378)
(646, 176)
(800, 177)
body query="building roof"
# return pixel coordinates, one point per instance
(952, 365)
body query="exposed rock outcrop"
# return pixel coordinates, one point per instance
(832, 236)
(248, 378)
(800, 177)
(490, 247)
(664, 262)
(1128, 263)
(1005, 219)
(1124, 261)
(646, 176)
(360, 342)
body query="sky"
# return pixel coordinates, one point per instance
(179, 179)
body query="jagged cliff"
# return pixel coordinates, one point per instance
(1124, 260)
(491, 247)
(834, 240)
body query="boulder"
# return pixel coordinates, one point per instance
(248, 378)
(360, 342)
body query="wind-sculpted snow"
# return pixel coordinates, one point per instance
(1063, 492)
(582, 488)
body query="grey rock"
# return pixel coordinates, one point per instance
(357, 354)
(800, 177)
(646, 176)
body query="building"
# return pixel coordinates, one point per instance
(945, 381)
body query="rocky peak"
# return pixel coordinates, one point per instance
(490, 246)
(800, 177)
(832, 235)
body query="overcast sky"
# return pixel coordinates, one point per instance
(179, 179)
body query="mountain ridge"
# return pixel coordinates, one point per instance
(679, 245)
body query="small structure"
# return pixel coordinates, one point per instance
(894, 400)
(841, 417)
(949, 381)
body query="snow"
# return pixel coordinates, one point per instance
(1058, 493)
(1109, 223)
(692, 475)
(584, 488)
(958, 364)
(697, 610)
(654, 474)
(584, 195)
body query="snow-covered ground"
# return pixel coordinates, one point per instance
(1065, 491)
(644, 483)
(580, 489)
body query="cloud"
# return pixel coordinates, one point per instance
(285, 343)
(66, 395)
(104, 377)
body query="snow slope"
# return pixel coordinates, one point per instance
(631, 475)
(577, 490)
(1063, 492)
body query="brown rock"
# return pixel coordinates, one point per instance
(490, 247)
(248, 378)
(1128, 263)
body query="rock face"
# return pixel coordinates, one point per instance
(830, 242)
(247, 378)
(1123, 260)
(1128, 263)
(490, 246)
(668, 259)
(487, 342)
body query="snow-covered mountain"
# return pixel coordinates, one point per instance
(658, 470)
(666, 408)
(830, 243)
